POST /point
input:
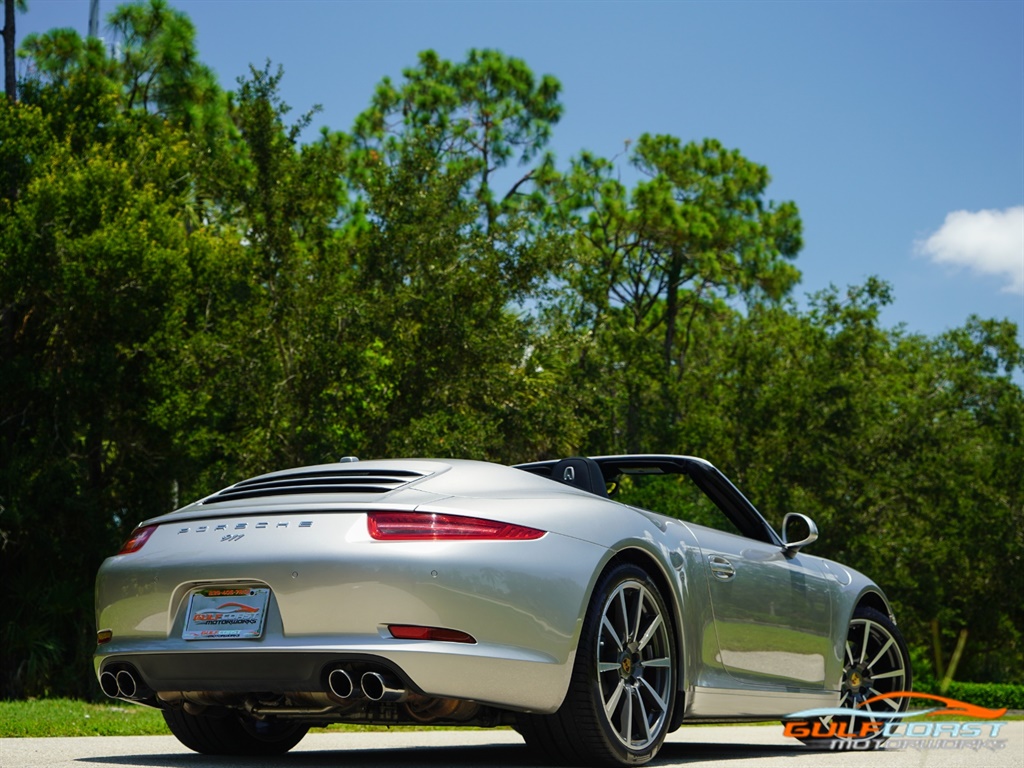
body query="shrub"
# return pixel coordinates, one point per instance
(991, 695)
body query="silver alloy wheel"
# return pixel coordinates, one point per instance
(875, 664)
(634, 665)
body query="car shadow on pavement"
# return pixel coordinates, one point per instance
(697, 752)
(482, 756)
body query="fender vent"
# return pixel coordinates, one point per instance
(329, 481)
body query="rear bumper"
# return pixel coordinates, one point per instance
(504, 678)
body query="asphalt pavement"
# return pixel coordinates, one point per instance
(708, 747)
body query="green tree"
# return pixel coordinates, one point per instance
(444, 303)
(157, 69)
(99, 253)
(270, 320)
(475, 117)
(92, 274)
(694, 233)
(160, 69)
(448, 264)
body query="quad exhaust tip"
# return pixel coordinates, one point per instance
(378, 687)
(127, 687)
(375, 686)
(108, 683)
(121, 684)
(340, 684)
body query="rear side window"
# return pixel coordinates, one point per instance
(673, 495)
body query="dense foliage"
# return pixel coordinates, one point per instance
(189, 295)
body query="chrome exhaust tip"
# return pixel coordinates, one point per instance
(108, 684)
(127, 687)
(340, 684)
(377, 687)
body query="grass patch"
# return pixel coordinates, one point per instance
(67, 717)
(40, 718)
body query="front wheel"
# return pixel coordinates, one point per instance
(622, 691)
(876, 669)
(233, 733)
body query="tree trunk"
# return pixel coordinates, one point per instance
(675, 273)
(10, 82)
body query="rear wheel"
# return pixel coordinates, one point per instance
(233, 733)
(622, 691)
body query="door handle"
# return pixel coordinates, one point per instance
(721, 568)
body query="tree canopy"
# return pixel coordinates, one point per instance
(191, 294)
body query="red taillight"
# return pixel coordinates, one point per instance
(413, 632)
(413, 526)
(139, 537)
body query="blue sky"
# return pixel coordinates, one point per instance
(897, 128)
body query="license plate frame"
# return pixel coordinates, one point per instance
(226, 613)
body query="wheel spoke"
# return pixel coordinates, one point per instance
(607, 625)
(613, 700)
(627, 716)
(607, 666)
(889, 643)
(662, 704)
(864, 644)
(639, 613)
(643, 717)
(665, 663)
(885, 675)
(655, 625)
(625, 615)
(894, 704)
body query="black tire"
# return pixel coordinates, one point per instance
(624, 678)
(233, 734)
(876, 663)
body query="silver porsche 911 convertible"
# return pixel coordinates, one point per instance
(593, 604)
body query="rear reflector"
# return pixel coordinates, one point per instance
(138, 538)
(415, 526)
(411, 632)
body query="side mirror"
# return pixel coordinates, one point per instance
(797, 531)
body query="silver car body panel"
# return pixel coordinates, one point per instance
(765, 640)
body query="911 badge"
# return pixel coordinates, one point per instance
(226, 613)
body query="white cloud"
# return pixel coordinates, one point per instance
(990, 242)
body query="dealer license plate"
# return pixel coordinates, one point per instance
(226, 613)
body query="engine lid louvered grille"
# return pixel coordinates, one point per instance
(333, 481)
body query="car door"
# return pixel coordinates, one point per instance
(771, 609)
(772, 612)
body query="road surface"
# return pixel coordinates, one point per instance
(707, 747)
